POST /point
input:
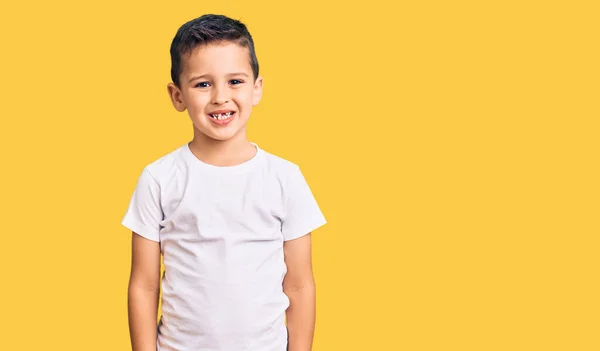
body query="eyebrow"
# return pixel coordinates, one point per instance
(228, 75)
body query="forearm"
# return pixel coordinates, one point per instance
(301, 317)
(143, 312)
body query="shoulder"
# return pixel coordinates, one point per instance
(286, 173)
(283, 170)
(166, 165)
(279, 165)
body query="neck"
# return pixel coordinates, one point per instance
(222, 153)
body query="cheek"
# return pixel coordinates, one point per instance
(198, 101)
(255, 99)
(245, 97)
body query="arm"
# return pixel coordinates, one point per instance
(143, 293)
(299, 286)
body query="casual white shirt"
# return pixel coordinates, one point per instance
(221, 232)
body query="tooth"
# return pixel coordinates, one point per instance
(221, 116)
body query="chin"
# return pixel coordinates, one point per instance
(220, 137)
(223, 136)
(219, 134)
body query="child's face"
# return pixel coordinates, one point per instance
(217, 78)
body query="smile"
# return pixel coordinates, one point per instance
(221, 116)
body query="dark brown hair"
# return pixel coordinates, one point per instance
(205, 30)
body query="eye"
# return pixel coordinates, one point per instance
(235, 81)
(202, 85)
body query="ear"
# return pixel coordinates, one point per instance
(176, 97)
(258, 90)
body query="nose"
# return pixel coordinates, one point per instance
(220, 96)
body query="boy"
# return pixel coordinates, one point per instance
(232, 221)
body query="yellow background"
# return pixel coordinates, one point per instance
(452, 145)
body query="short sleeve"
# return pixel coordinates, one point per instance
(303, 214)
(145, 213)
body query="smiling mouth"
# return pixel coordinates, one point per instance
(221, 116)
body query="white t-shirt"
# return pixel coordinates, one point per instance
(221, 232)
